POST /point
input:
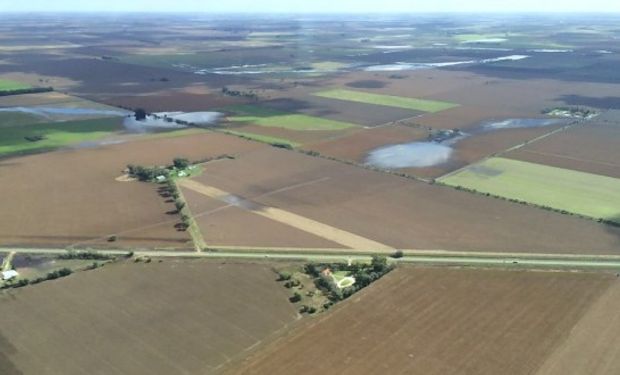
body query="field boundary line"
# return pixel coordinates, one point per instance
(193, 228)
(286, 217)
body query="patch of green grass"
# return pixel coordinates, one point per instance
(54, 135)
(387, 100)
(8, 119)
(8, 85)
(271, 118)
(563, 189)
(263, 138)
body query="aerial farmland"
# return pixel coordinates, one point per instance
(206, 193)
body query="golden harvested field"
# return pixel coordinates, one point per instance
(440, 321)
(175, 317)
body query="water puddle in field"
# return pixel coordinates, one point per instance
(439, 148)
(408, 155)
(170, 121)
(49, 112)
(520, 123)
(403, 66)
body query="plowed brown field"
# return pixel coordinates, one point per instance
(398, 212)
(72, 196)
(439, 321)
(592, 148)
(175, 317)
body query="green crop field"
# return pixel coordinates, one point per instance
(8, 85)
(13, 139)
(263, 138)
(268, 117)
(387, 100)
(9, 119)
(577, 192)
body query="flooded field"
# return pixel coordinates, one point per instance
(51, 112)
(520, 123)
(439, 149)
(408, 155)
(405, 66)
(170, 120)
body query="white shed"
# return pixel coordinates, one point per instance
(8, 275)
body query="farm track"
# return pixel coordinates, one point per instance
(420, 257)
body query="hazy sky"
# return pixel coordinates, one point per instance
(312, 5)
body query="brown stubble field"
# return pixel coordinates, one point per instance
(592, 147)
(400, 212)
(175, 317)
(481, 98)
(223, 224)
(477, 147)
(593, 345)
(339, 110)
(71, 196)
(439, 321)
(355, 146)
(166, 101)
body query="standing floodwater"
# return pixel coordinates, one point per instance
(439, 149)
(170, 120)
(408, 155)
(519, 123)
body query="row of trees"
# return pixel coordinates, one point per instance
(63, 272)
(237, 93)
(32, 90)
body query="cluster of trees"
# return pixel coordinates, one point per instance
(84, 255)
(146, 173)
(143, 173)
(244, 94)
(180, 163)
(140, 114)
(32, 90)
(34, 138)
(50, 276)
(364, 275)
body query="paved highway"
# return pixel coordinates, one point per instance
(447, 258)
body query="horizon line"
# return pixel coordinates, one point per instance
(395, 12)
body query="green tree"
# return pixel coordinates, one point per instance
(140, 114)
(180, 163)
(379, 263)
